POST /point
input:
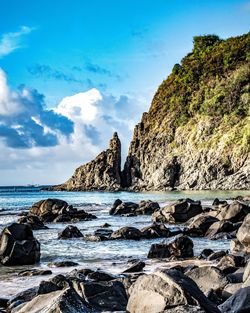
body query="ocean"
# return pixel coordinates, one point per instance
(112, 256)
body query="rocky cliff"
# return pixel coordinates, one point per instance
(196, 134)
(103, 173)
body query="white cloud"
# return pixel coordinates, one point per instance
(81, 126)
(10, 42)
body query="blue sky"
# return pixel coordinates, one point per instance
(113, 53)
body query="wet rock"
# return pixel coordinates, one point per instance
(164, 290)
(103, 232)
(239, 302)
(104, 295)
(223, 226)
(234, 212)
(231, 261)
(180, 247)
(62, 301)
(137, 267)
(99, 276)
(198, 225)
(230, 289)
(18, 246)
(156, 231)
(34, 272)
(205, 253)
(216, 255)
(3, 302)
(124, 208)
(127, 233)
(208, 278)
(56, 210)
(218, 202)
(236, 277)
(243, 234)
(22, 297)
(70, 232)
(178, 212)
(62, 264)
(33, 221)
(147, 207)
(105, 225)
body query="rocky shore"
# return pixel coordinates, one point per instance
(180, 280)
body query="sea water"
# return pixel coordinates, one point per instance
(112, 256)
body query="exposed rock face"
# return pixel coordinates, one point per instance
(183, 141)
(103, 173)
(18, 246)
(196, 133)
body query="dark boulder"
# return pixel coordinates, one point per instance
(218, 227)
(156, 231)
(123, 208)
(198, 225)
(180, 247)
(104, 295)
(147, 207)
(216, 255)
(178, 212)
(70, 232)
(137, 267)
(234, 212)
(205, 253)
(61, 301)
(18, 246)
(56, 210)
(163, 290)
(127, 233)
(239, 302)
(33, 221)
(208, 278)
(217, 202)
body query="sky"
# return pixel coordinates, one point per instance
(73, 72)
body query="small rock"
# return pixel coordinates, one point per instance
(70, 232)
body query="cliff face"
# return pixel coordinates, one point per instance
(103, 173)
(196, 134)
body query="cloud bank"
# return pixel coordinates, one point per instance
(10, 42)
(41, 145)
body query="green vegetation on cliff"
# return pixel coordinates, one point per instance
(212, 81)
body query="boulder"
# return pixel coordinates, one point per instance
(127, 233)
(137, 267)
(155, 231)
(243, 233)
(163, 290)
(147, 207)
(18, 246)
(33, 221)
(218, 227)
(234, 212)
(208, 278)
(124, 208)
(198, 225)
(130, 208)
(218, 202)
(70, 232)
(56, 210)
(246, 274)
(205, 253)
(216, 255)
(180, 247)
(61, 301)
(178, 212)
(21, 297)
(231, 261)
(230, 289)
(239, 302)
(104, 295)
